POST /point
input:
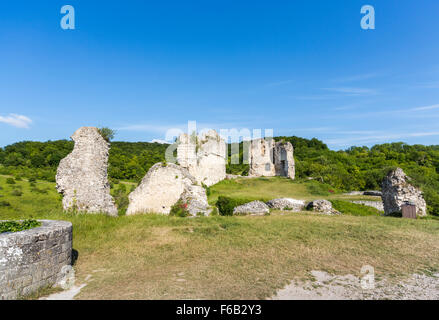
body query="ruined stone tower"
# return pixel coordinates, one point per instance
(204, 156)
(82, 176)
(269, 159)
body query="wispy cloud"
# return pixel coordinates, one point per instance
(352, 91)
(16, 120)
(436, 106)
(417, 112)
(376, 138)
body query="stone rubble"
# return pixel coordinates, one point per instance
(287, 204)
(322, 206)
(348, 287)
(254, 208)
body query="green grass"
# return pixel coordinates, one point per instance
(162, 257)
(265, 189)
(16, 226)
(354, 209)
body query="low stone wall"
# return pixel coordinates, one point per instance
(374, 204)
(33, 259)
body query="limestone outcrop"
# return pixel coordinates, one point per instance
(269, 159)
(287, 204)
(396, 191)
(162, 187)
(204, 156)
(254, 208)
(82, 176)
(322, 206)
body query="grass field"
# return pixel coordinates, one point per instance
(161, 257)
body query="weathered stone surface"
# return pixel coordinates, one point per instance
(269, 159)
(34, 258)
(287, 204)
(397, 191)
(284, 160)
(374, 204)
(162, 187)
(261, 158)
(204, 156)
(196, 199)
(254, 208)
(82, 176)
(322, 206)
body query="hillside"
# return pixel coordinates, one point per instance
(357, 168)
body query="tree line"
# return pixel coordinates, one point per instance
(356, 168)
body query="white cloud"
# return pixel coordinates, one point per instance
(16, 120)
(436, 106)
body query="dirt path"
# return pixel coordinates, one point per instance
(328, 287)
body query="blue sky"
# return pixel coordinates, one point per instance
(302, 68)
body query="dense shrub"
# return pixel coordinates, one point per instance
(226, 205)
(16, 226)
(10, 181)
(179, 210)
(107, 133)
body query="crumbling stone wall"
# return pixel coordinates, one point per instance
(82, 176)
(269, 159)
(204, 156)
(162, 187)
(261, 158)
(396, 191)
(34, 258)
(284, 160)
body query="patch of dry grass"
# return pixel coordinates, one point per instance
(249, 257)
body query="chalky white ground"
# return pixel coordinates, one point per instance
(328, 287)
